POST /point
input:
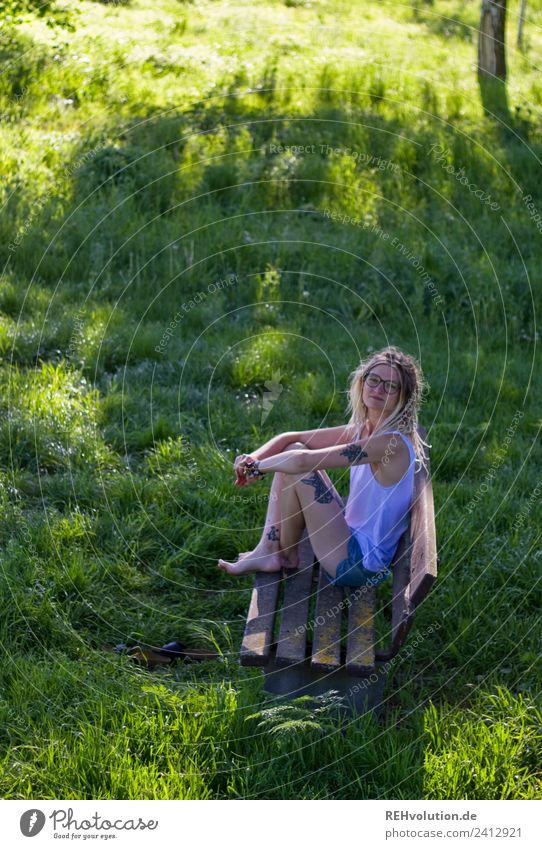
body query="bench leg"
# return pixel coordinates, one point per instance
(361, 694)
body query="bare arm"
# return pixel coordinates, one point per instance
(312, 439)
(374, 449)
(325, 437)
(319, 438)
(276, 445)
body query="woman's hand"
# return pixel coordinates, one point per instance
(242, 478)
(252, 471)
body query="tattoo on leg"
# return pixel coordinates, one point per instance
(354, 453)
(273, 533)
(322, 494)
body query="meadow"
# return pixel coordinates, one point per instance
(198, 199)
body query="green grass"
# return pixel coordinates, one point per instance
(140, 172)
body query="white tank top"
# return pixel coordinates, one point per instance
(379, 514)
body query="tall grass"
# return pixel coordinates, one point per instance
(167, 252)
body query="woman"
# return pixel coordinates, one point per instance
(354, 544)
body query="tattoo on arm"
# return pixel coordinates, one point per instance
(273, 533)
(354, 453)
(322, 493)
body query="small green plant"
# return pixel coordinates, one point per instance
(302, 720)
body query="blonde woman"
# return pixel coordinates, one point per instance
(354, 543)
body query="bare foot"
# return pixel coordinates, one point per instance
(289, 561)
(260, 560)
(294, 557)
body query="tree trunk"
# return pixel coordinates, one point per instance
(520, 24)
(491, 50)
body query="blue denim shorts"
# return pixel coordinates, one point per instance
(352, 573)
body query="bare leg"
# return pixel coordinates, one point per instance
(306, 499)
(292, 524)
(324, 517)
(265, 557)
(284, 524)
(271, 530)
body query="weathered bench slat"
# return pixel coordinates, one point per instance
(258, 637)
(402, 610)
(423, 564)
(292, 640)
(415, 561)
(326, 640)
(360, 645)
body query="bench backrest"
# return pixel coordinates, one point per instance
(415, 561)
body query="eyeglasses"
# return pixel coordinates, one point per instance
(390, 386)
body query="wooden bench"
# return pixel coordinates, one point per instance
(295, 665)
